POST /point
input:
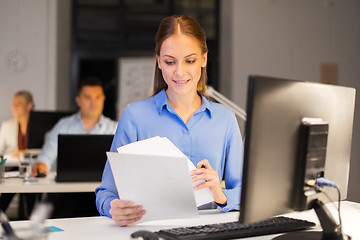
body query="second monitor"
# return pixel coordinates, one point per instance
(41, 122)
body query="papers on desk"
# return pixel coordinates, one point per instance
(155, 173)
(11, 174)
(13, 160)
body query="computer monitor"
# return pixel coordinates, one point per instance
(40, 122)
(275, 110)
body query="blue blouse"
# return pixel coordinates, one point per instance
(211, 133)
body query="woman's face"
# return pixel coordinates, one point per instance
(181, 61)
(20, 107)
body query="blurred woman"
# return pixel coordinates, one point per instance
(13, 132)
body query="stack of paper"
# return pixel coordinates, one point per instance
(155, 174)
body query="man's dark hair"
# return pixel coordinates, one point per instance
(89, 81)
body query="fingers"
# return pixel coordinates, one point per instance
(205, 184)
(214, 185)
(208, 178)
(120, 203)
(205, 176)
(198, 171)
(204, 164)
(127, 217)
(39, 168)
(211, 180)
(204, 172)
(125, 213)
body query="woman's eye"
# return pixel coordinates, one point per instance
(190, 61)
(169, 62)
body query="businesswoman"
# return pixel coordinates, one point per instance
(206, 132)
(13, 132)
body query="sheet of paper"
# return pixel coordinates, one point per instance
(162, 146)
(165, 192)
(11, 174)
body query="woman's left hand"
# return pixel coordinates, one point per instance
(211, 180)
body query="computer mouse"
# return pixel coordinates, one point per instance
(145, 235)
(40, 174)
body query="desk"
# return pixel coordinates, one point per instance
(49, 185)
(45, 185)
(95, 228)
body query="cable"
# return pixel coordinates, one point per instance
(323, 182)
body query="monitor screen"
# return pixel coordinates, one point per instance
(275, 109)
(40, 122)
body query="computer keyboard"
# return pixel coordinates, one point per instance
(231, 230)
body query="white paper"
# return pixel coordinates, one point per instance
(162, 146)
(164, 192)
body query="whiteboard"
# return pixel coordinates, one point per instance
(136, 75)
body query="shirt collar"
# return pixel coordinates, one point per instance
(98, 124)
(161, 101)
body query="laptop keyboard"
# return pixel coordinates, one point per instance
(231, 230)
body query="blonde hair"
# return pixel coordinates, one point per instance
(168, 27)
(26, 95)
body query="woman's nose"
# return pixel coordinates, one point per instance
(180, 69)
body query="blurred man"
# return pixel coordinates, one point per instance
(88, 120)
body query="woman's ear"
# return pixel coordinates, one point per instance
(204, 60)
(30, 106)
(158, 61)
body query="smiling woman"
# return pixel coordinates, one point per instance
(181, 54)
(187, 32)
(206, 132)
(182, 64)
(181, 71)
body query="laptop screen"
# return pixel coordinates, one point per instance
(82, 158)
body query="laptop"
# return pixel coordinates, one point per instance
(82, 158)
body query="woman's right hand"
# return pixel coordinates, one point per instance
(125, 213)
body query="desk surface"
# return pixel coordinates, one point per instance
(104, 228)
(43, 185)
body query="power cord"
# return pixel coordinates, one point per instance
(318, 185)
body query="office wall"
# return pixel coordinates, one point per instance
(30, 42)
(291, 39)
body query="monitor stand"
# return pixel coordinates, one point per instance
(331, 230)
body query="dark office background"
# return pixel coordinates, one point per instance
(105, 30)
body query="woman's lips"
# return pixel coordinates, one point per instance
(181, 81)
